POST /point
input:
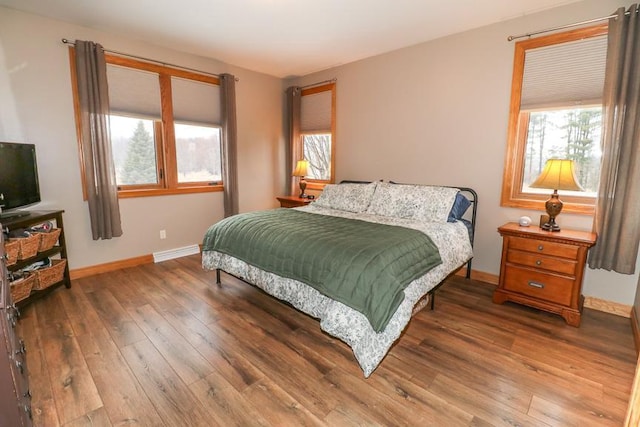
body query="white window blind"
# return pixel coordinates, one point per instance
(566, 74)
(133, 92)
(315, 112)
(195, 102)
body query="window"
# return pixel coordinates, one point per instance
(317, 133)
(164, 128)
(316, 148)
(556, 112)
(134, 150)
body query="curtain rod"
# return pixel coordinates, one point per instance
(67, 41)
(577, 24)
(333, 80)
(562, 27)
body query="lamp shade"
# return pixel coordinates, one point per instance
(558, 174)
(301, 168)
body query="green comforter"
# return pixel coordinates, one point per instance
(364, 265)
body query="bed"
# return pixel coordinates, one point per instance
(361, 258)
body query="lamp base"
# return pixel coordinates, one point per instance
(553, 207)
(303, 186)
(550, 226)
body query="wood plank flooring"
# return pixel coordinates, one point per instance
(162, 345)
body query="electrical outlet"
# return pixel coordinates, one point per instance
(163, 234)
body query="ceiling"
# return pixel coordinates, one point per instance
(283, 38)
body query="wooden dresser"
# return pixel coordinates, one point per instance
(15, 398)
(544, 269)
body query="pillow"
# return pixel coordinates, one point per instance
(460, 206)
(346, 197)
(419, 202)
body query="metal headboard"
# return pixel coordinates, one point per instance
(474, 212)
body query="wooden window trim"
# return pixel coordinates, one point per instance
(166, 156)
(512, 194)
(318, 184)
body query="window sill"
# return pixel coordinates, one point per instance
(126, 194)
(570, 204)
(317, 185)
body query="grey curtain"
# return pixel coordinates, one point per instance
(617, 219)
(229, 144)
(99, 171)
(293, 149)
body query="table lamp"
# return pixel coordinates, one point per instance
(301, 171)
(558, 174)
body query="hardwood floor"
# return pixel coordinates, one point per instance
(162, 345)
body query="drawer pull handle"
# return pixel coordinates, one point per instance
(538, 262)
(536, 284)
(540, 247)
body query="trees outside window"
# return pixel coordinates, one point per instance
(317, 150)
(138, 166)
(568, 134)
(198, 153)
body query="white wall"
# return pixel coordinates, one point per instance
(36, 107)
(436, 113)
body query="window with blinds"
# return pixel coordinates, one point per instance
(134, 103)
(317, 131)
(562, 101)
(556, 112)
(196, 121)
(164, 128)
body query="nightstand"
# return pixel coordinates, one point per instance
(544, 269)
(292, 201)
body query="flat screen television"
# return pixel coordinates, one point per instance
(19, 186)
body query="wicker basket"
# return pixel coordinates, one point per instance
(49, 239)
(21, 288)
(28, 245)
(50, 275)
(12, 249)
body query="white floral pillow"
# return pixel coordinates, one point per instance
(347, 197)
(419, 202)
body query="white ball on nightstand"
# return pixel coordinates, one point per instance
(524, 221)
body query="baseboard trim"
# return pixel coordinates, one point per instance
(610, 307)
(481, 276)
(175, 253)
(79, 273)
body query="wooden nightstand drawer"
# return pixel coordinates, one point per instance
(528, 259)
(543, 286)
(544, 247)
